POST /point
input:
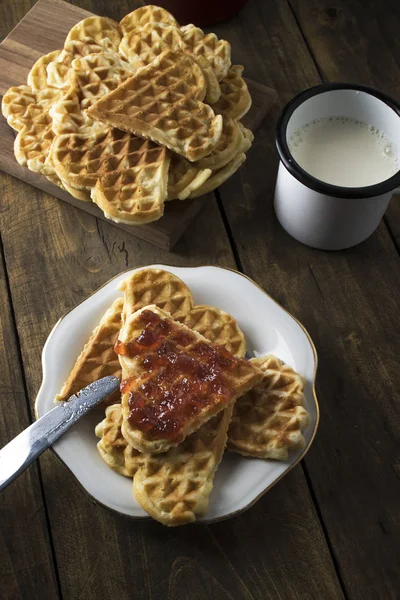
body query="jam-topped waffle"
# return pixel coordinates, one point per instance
(173, 380)
(173, 487)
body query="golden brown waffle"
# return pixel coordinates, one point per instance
(173, 380)
(135, 195)
(127, 175)
(97, 358)
(23, 107)
(178, 74)
(57, 69)
(217, 52)
(235, 99)
(32, 148)
(146, 14)
(268, 421)
(156, 104)
(219, 177)
(113, 447)
(141, 46)
(232, 141)
(174, 487)
(90, 36)
(37, 77)
(100, 29)
(82, 160)
(27, 111)
(90, 78)
(159, 287)
(172, 295)
(218, 326)
(184, 178)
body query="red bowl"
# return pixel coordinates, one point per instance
(202, 12)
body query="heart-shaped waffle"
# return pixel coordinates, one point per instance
(158, 103)
(146, 14)
(268, 421)
(235, 99)
(28, 111)
(173, 487)
(142, 45)
(23, 106)
(173, 379)
(127, 175)
(57, 69)
(90, 78)
(100, 29)
(171, 294)
(135, 195)
(217, 52)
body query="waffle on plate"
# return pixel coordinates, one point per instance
(266, 422)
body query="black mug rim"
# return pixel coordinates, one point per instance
(303, 176)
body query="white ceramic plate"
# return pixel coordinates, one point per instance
(268, 328)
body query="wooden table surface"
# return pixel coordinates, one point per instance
(330, 529)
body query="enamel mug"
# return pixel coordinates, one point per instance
(320, 214)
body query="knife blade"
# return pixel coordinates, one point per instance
(18, 454)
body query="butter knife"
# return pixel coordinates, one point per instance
(18, 454)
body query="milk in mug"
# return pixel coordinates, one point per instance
(344, 152)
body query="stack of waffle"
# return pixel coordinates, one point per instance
(132, 114)
(186, 394)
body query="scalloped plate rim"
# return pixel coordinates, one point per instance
(282, 467)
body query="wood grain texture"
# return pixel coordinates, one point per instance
(347, 300)
(26, 566)
(20, 50)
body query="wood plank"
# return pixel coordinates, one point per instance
(26, 566)
(19, 51)
(356, 42)
(347, 300)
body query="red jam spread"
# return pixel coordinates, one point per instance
(181, 376)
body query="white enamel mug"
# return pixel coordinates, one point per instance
(320, 214)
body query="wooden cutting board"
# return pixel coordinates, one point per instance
(44, 29)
